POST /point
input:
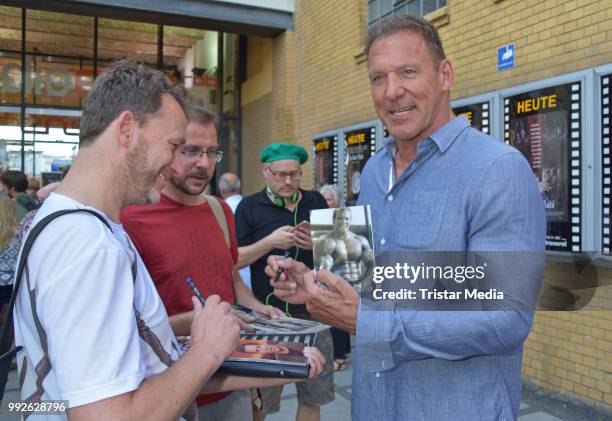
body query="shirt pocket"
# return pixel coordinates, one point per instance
(421, 218)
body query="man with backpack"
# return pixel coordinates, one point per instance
(92, 329)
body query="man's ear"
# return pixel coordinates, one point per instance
(447, 75)
(126, 125)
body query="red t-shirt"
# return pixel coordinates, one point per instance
(177, 241)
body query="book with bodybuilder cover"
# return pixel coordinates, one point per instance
(343, 242)
(266, 355)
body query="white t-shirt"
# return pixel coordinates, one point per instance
(80, 279)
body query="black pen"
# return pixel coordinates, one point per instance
(280, 270)
(195, 290)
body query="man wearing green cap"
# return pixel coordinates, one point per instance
(268, 222)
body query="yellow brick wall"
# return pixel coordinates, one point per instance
(320, 84)
(551, 38)
(332, 89)
(256, 130)
(570, 351)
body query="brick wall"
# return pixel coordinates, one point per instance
(551, 38)
(256, 130)
(570, 351)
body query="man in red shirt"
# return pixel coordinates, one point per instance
(180, 238)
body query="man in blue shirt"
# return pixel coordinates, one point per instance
(436, 185)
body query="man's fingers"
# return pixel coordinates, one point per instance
(283, 294)
(243, 316)
(213, 299)
(309, 283)
(273, 312)
(244, 325)
(300, 234)
(197, 307)
(330, 280)
(315, 359)
(283, 283)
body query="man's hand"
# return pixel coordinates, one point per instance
(287, 284)
(303, 238)
(316, 360)
(243, 320)
(270, 311)
(282, 238)
(214, 329)
(335, 304)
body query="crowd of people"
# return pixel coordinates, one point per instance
(103, 298)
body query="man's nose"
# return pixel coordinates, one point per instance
(394, 88)
(204, 161)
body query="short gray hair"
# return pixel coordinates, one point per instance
(200, 115)
(331, 188)
(228, 186)
(399, 23)
(123, 87)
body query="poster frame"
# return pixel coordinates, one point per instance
(495, 111)
(598, 204)
(588, 154)
(338, 158)
(343, 157)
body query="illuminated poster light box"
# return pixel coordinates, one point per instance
(606, 128)
(478, 115)
(360, 145)
(325, 164)
(545, 126)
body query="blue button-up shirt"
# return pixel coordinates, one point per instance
(463, 191)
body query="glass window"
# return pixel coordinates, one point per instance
(10, 56)
(51, 139)
(380, 8)
(10, 83)
(59, 81)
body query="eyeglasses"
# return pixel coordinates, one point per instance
(282, 176)
(213, 154)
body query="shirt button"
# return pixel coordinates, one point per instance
(390, 198)
(382, 241)
(377, 374)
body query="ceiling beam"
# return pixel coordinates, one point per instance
(203, 14)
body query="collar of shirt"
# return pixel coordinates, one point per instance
(442, 138)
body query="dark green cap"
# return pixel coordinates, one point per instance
(278, 151)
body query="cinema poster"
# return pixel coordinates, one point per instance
(545, 126)
(360, 145)
(325, 168)
(606, 167)
(477, 115)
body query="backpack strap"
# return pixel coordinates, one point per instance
(6, 340)
(219, 216)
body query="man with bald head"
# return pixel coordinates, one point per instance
(229, 189)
